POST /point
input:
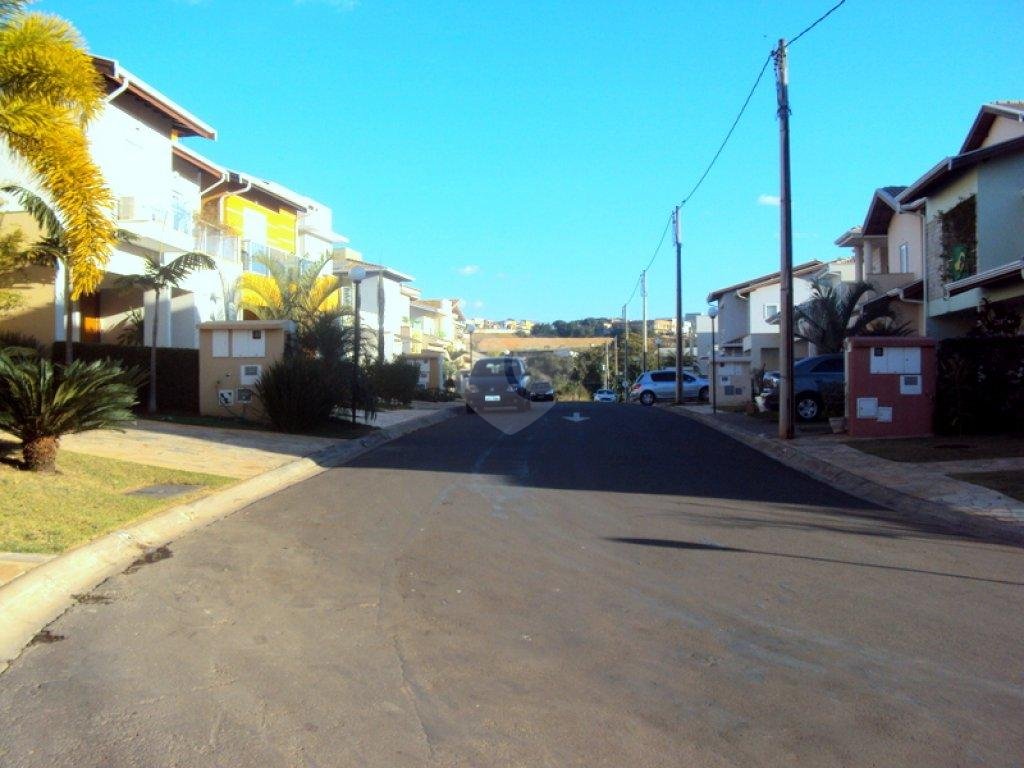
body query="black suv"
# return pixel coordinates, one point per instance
(498, 382)
(810, 376)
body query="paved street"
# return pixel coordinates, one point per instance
(632, 589)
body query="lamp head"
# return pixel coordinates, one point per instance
(713, 311)
(357, 274)
(470, 328)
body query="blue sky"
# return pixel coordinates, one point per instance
(524, 156)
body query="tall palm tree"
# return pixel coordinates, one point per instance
(49, 90)
(824, 320)
(158, 278)
(291, 292)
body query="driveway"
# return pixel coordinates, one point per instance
(623, 589)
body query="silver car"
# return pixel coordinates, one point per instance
(652, 386)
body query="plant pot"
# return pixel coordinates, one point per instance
(838, 424)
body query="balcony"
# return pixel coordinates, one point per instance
(156, 226)
(216, 242)
(255, 255)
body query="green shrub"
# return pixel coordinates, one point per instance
(177, 383)
(435, 395)
(299, 393)
(980, 386)
(19, 343)
(395, 383)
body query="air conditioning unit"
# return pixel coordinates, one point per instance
(250, 374)
(126, 208)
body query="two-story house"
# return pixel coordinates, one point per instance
(973, 213)
(747, 324)
(384, 304)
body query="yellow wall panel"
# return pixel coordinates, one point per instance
(280, 223)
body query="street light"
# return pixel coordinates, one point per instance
(713, 313)
(356, 275)
(469, 329)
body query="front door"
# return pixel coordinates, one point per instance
(89, 310)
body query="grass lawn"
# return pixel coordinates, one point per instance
(51, 513)
(335, 428)
(1009, 483)
(918, 449)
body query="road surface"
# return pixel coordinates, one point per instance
(626, 589)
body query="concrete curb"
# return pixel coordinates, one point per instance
(906, 506)
(38, 597)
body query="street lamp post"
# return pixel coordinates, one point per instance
(713, 313)
(356, 275)
(469, 329)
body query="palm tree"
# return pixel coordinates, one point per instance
(40, 402)
(49, 90)
(824, 319)
(291, 292)
(159, 278)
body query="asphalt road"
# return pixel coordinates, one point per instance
(632, 589)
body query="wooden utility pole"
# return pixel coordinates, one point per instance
(785, 251)
(679, 305)
(625, 347)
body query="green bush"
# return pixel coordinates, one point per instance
(435, 395)
(299, 393)
(980, 387)
(177, 369)
(394, 383)
(19, 343)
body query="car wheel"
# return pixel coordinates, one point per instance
(808, 408)
(703, 394)
(647, 398)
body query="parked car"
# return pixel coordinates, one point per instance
(606, 396)
(541, 391)
(652, 386)
(810, 378)
(498, 382)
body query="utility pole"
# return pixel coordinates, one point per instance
(606, 368)
(679, 306)
(643, 296)
(785, 251)
(625, 347)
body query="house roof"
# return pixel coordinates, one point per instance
(913, 291)
(1002, 275)
(372, 269)
(1014, 110)
(884, 203)
(748, 285)
(952, 167)
(183, 121)
(192, 157)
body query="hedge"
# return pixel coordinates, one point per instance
(980, 387)
(177, 371)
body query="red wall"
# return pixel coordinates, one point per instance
(911, 414)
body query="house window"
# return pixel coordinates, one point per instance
(904, 257)
(959, 240)
(770, 310)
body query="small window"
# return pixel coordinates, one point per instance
(904, 257)
(770, 310)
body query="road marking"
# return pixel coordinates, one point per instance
(576, 418)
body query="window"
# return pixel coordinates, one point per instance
(904, 257)
(770, 309)
(663, 376)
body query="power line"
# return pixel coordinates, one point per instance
(661, 242)
(816, 22)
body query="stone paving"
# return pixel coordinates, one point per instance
(927, 481)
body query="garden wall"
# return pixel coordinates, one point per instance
(177, 371)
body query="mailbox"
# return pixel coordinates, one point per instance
(890, 386)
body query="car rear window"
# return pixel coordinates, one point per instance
(663, 376)
(496, 368)
(833, 365)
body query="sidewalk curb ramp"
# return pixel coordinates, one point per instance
(38, 597)
(906, 506)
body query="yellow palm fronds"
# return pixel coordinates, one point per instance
(289, 292)
(49, 91)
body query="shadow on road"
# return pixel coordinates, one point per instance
(708, 547)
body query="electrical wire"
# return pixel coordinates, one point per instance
(816, 22)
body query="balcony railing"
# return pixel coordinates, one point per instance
(255, 255)
(216, 242)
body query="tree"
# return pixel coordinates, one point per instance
(40, 402)
(49, 90)
(824, 319)
(159, 278)
(290, 292)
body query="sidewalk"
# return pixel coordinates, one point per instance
(919, 490)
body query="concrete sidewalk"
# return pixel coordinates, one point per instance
(921, 490)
